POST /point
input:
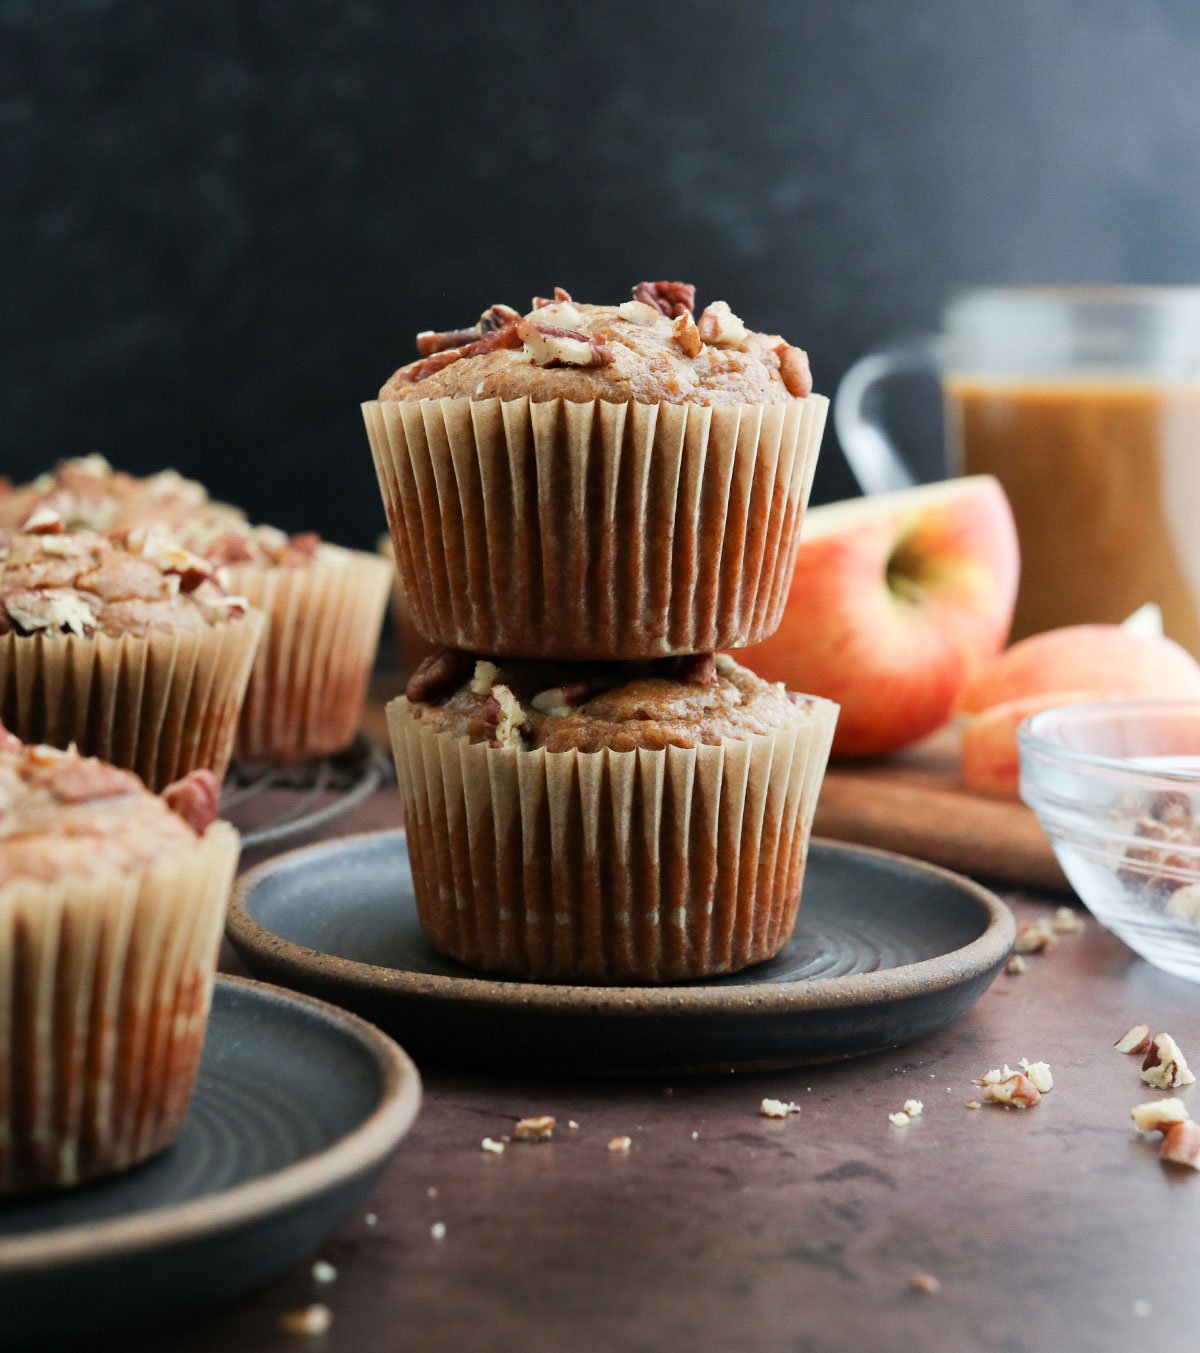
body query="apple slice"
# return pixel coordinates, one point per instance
(895, 603)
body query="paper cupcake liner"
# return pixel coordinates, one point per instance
(603, 867)
(599, 530)
(306, 692)
(411, 647)
(105, 984)
(158, 704)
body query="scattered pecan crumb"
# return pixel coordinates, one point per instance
(899, 1119)
(538, 1129)
(672, 298)
(1015, 966)
(794, 370)
(778, 1108)
(687, 336)
(1016, 1091)
(972, 1104)
(438, 1231)
(438, 674)
(1165, 1066)
(1136, 1039)
(310, 1322)
(620, 1145)
(571, 1123)
(1034, 936)
(925, 1282)
(324, 1273)
(1181, 1144)
(1067, 921)
(1158, 1115)
(492, 1146)
(913, 1107)
(1039, 1074)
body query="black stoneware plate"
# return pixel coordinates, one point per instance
(297, 1110)
(886, 950)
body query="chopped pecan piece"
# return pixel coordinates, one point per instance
(1034, 936)
(429, 342)
(561, 297)
(672, 298)
(428, 366)
(1158, 1115)
(1181, 1144)
(195, 798)
(686, 335)
(1165, 1065)
(504, 721)
(78, 781)
(539, 1129)
(506, 337)
(720, 327)
(1016, 1091)
(438, 674)
(497, 317)
(696, 669)
(549, 345)
(231, 547)
(637, 312)
(1136, 1039)
(44, 522)
(795, 371)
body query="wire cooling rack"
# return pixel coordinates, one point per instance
(350, 777)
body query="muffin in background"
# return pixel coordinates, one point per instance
(323, 604)
(132, 650)
(598, 481)
(607, 822)
(112, 901)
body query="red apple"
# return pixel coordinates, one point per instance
(990, 761)
(895, 603)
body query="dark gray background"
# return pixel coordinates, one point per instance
(225, 220)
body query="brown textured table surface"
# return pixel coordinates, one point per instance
(1055, 1228)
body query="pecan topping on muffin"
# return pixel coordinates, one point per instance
(670, 298)
(648, 349)
(590, 706)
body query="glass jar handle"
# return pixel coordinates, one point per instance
(872, 455)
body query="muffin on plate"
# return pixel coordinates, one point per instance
(323, 604)
(112, 901)
(131, 649)
(607, 822)
(598, 481)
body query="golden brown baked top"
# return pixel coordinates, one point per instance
(586, 707)
(650, 349)
(61, 813)
(88, 494)
(54, 581)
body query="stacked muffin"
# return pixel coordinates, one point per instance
(322, 605)
(585, 502)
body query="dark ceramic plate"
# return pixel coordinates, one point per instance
(297, 1110)
(886, 950)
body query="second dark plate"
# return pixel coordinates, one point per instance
(886, 950)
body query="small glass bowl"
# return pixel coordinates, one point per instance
(1116, 787)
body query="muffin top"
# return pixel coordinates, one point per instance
(87, 493)
(61, 813)
(650, 349)
(56, 581)
(586, 707)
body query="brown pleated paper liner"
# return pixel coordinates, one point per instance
(603, 867)
(158, 704)
(597, 530)
(105, 984)
(306, 692)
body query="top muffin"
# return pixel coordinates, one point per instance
(649, 350)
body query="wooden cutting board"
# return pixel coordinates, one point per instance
(912, 803)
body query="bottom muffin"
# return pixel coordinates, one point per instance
(607, 822)
(112, 901)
